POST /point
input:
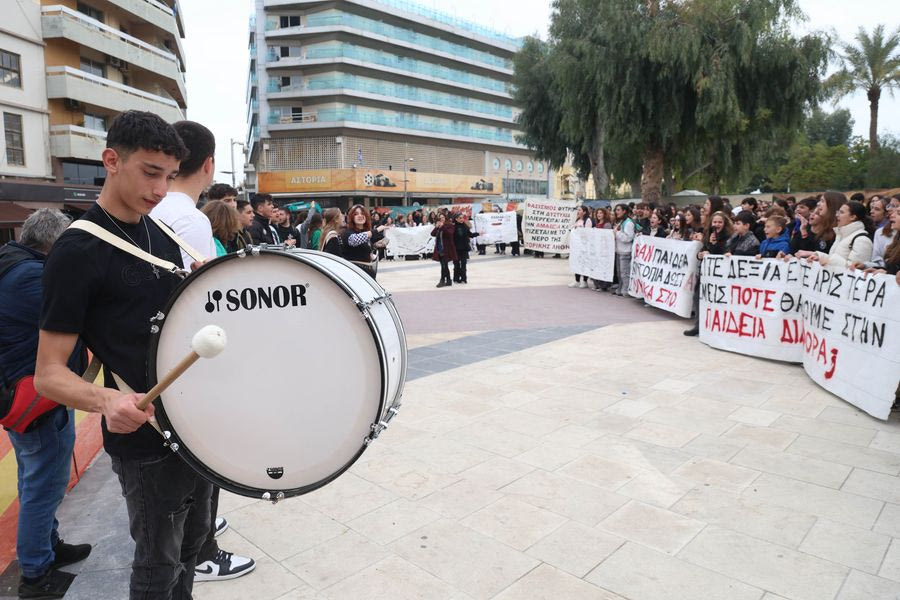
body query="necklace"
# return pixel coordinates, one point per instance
(130, 239)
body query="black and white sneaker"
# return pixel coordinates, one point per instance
(224, 566)
(221, 526)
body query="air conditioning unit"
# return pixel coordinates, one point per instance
(72, 104)
(114, 62)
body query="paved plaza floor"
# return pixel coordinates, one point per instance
(558, 443)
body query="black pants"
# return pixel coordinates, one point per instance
(459, 269)
(515, 248)
(168, 514)
(445, 270)
(210, 546)
(481, 249)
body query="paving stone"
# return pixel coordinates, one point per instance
(754, 416)
(568, 497)
(744, 514)
(496, 473)
(391, 579)
(392, 521)
(641, 573)
(547, 583)
(706, 471)
(847, 454)
(889, 521)
(472, 562)
(343, 556)
(747, 434)
(514, 523)
(461, 499)
(662, 435)
(802, 497)
(830, 431)
(768, 566)
(651, 526)
(284, 529)
(575, 548)
(861, 586)
(874, 485)
(795, 466)
(890, 568)
(348, 497)
(857, 548)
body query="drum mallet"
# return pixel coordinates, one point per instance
(206, 343)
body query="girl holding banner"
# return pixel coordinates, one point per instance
(624, 232)
(582, 219)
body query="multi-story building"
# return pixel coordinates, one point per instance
(86, 61)
(386, 102)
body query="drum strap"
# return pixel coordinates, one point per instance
(114, 240)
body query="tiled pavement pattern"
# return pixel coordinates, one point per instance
(624, 461)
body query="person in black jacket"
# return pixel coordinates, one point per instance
(261, 231)
(462, 233)
(444, 247)
(743, 242)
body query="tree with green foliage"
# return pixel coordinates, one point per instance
(831, 129)
(639, 86)
(873, 65)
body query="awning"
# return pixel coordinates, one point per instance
(13, 214)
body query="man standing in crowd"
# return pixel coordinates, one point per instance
(223, 192)
(44, 449)
(107, 296)
(261, 230)
(178, 211)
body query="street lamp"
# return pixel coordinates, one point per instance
(231, 152)
(507, 185)
(405, 179)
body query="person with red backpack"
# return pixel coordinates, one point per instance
(41, 432)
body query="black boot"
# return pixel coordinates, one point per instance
(441, 284)
(53, 584)
(693, 331)
(67, 554)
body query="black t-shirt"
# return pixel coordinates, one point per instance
(108, 298)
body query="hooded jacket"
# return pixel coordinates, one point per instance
(770, 247)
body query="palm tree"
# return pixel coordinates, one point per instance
(873, 64)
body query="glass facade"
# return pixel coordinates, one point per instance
(83, 174)
(403, 63)
(386, 118)
(333, 18)
(333, 81)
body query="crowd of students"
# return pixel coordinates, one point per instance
(855, 233)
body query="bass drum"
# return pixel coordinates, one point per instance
(312, 372)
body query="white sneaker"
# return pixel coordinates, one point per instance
(224, 566)
(583, 284)
(573, 284)
(221, 526)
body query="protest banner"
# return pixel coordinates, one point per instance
(496, 228)
(664, 273)
(546, 225)
(850, 334)
(842, 325)
(403, 241)
(741, 305)
(592, 252)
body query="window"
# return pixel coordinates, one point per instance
(15, 150)
(97, 122)
(530, 167)
(90, 11)
(496, 164)
(540, 167)
(290, 21)
(507, 165)
(519, 166)
(83, 174)
(94, 67)
(10, 69)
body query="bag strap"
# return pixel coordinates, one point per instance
(856, 237)
(114, 240)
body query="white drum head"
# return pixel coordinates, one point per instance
(287, 405)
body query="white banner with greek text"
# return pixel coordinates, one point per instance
(405, 241)
(496, 228)
(546, 225)
(664, 273)
(592, 252)
(843, 326)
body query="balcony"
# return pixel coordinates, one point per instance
(391, 93)
(158, 14)
(66, 82)
(397, 123)
(63, 22)
(396, 65)
(71, 141)
(390, 34)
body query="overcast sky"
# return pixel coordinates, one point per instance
(218, 58)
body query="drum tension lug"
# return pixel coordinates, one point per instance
(274, 499)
